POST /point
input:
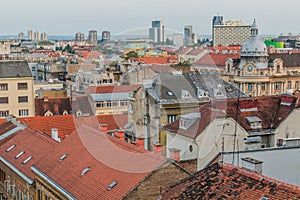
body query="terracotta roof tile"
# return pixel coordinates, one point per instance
(156, 60)
(229, 182)
(112, 89)
(113, 122)
(55, 105)
(212, 59)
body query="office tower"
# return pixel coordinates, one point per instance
(21, 36)
(44, 36)
(105, 35)
(157, 32)
(195, 38)
(30, 35)
(230, 32)
(79, 36)
(93, 38)
(37, 36)
(188, 32)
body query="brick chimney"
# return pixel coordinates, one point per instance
(157, 147)
(103, 128)
(140, 142)
(175, 154)
(120, 134)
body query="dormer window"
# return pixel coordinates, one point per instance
(185, 94)
(254, 122)
(186, 121)
(182, 124)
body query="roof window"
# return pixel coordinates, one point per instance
(10, 148)
(63, 157)
(27, 159)
(85, 171)
(113, 184)
(19, 155)
(170, 93)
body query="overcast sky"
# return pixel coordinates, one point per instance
(66, 17)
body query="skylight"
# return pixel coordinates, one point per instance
(19, 155)
(113, 184)
(85, 171)
(63, 157)
(10, 148)
(27, 159)
(170, 93)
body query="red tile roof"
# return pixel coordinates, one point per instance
(196, 51)
(34, 144)
(55, 105)
(230, 182)
(64, 123)
(6, 126)
(113, 122)
(156, 60)
(112, 89)
(226, 48)
(108, 158)
(212, 59)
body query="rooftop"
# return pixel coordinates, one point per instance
(14, 69)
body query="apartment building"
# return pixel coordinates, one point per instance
(16, 89)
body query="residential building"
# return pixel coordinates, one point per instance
(110, 99)
(30, 35)
(44, 36)
(93, 38)
(21, 36)
(37, 36)
(105, 35)
(4, 47)
(79, 36)
(225, 181)
(16, 89)
(230, 32)
(188, 32)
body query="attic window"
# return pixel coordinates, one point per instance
(254, 122)
(182, 124)
(85, 171)
(170, 93)
(113, 184)
(27, 159)
(19, 155)
(10, 148)
(63, 157)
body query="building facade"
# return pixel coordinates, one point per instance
(16, 89)
(229, 33)
(93, 38)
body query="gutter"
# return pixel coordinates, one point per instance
(16, 170)
(52, 183)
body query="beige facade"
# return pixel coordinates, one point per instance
(16, 97)
(4, 47)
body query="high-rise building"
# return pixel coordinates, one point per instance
(44, 36)
(21, 36)
(157, 32)
(230, 32)
(30, 35)
(93, 38)
(37, 36)
(79, 36)
(188, 32)
(105, 35)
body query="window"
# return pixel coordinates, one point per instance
(171, 118)
(23, 112)
(170, 93)
(289, 85)
(25, 194)
(100, 104)
(4, 113)
(47, 197)
(23, 99)
(123, 103)
(182, 124)
(40, 197)
(277, 85)
(3, 100)
(297, 84)
(4, 87)
(263, 86)
(249, 86)
(115, 103)
(22, 86)
(278, 68)
(109, 104)
(130, 108)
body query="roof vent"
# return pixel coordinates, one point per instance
(19, 155)
(85, 171)
(63, 157)
(113, 184)
(10, 148)
(27, 159)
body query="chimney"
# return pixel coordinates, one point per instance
(157, 148)
(140, 142)
(175, 154)
(252, 164)
(119, 134)
(54, 132)
(103, 128)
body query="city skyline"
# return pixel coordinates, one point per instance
(65, 18)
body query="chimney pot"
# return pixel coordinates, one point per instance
(175, 154)
(140, 142)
